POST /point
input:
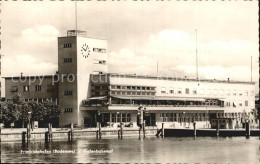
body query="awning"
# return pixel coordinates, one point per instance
(135, 97)
(160, 98)
(98, 98)
(222, 99)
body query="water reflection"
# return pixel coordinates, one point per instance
(149, 149)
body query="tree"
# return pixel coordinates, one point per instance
(11, 112)
(51, 112)
(18, 110)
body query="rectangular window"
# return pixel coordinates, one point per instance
(143, 88)
(171, 90)
(128, 117)
(101, 50)
(240, 103)
(148, 88)
(113, 117)
(26, 88)
(68, 110)
(67, 60)
(187, 91)
(215, 92)
(133, 88)
(208, 91)
(38, 87)
(113, 92)
(97, 87)
(234, 92)
(163, 90)
(67, 45)
(179, 91)
(128, 93)
(161, 117)
(113, 87)
(202, 91)
(123, 117)
(133, 93)
(194, 91)
(252, 93)
(123, 93)
(118, 87)
(66, 93)
(118, 117)
(143, 93)
(97, 93)
(246, 93)
(228, 92)
(246, 103)
(221, 92)
(138, 88)
(101, 62)
(14, 89)
(240, 93)
(128, 87)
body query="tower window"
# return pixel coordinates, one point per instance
(67, 45)
(67, 60)
(68, 110)
(67, 93)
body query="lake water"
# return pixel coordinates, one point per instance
(131, 150)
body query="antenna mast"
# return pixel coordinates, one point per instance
(76, 18)
(196, 58)
(251, 68)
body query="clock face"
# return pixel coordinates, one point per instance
(85, 50)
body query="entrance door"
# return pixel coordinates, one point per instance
(150, 119)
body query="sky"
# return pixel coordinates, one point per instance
(139, 35)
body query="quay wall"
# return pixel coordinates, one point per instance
(63, 135)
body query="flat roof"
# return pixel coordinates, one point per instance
(173, 78)
(24, 77)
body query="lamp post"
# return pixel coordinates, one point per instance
(141, 118)
(29, 127)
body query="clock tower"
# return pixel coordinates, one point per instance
(78, 57)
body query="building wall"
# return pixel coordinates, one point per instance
(32, 93)
(81, 67)
(198, 86)
(67, 48)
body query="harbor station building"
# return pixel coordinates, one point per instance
(88, 94)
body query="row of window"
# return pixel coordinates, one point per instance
(170, 117)
(239, 103)
(206, 91)
(115, 117)
(102, 50)
(68, 110)
(40, 100)
(26, 88)
(132, 93)
(143, 88)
